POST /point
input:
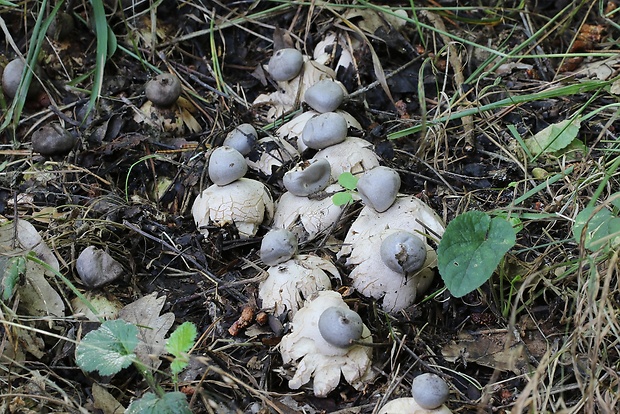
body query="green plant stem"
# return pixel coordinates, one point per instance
(38, 36)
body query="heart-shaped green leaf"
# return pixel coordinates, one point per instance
(470, 250)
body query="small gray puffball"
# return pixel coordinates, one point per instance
(278, 246)
(340, 326)
(285, 64)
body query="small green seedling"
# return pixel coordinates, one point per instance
(110, 349)
(471, 249)
(349, 182)
(179, 344)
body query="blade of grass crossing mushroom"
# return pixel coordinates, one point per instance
(38, 36)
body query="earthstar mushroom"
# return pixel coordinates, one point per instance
(246, 203)
(340, 326)
(12, 75)
(285, 64)
(429, 393)
(403, 252)
(324, 130)
(163, 90)
(290, 281)
(378, 187)
(317, 359)
(325, 96)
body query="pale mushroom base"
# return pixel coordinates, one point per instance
(245, 202)
(410, 406)
(291, 281)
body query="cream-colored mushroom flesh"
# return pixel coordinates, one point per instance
(246, 203)
(410, 406)
(289, 282)
(307, 217)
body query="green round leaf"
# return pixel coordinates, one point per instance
(347, 180)
(470, 250)
(340, 199)
(602, 229)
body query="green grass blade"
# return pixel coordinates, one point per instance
(103, 44)
(568, 90)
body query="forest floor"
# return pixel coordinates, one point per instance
(451, 95)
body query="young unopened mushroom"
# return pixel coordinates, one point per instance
(429, 390)
(289, 282)
(12, 76)
(163, 90)
(318, 359)
(226, 165)
(378, 188)
(246, 203)
(53, 139)
(243, 138)
(429, 393)
(97, 268)
(324, 130)
(325, 96)
(285, 64)
(278, 246)
(307, 177)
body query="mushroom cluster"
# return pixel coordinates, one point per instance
(389, 247)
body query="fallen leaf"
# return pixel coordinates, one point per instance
(152, 328)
